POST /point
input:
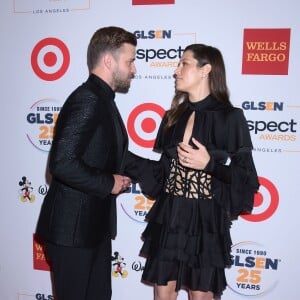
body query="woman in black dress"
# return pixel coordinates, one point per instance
(207, 178)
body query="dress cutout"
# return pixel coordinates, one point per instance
(188, 183)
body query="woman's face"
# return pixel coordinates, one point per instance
(188, 75)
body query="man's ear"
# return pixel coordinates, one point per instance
(107, 60)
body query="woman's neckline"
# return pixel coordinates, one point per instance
(200, 104)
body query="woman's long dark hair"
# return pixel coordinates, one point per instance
(217, 80)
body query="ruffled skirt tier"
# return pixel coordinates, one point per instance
(187, 240)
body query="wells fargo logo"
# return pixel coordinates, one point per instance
(152, 2)
(39, 257)
(266, 51)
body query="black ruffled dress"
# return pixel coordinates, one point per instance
(187, 237)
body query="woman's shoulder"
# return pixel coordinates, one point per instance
(236, 113)
(229, 110)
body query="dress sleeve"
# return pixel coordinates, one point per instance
(148, 173)
(238, 181)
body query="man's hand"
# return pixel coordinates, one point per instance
(121, 184)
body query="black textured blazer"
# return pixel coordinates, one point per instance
(89, 145)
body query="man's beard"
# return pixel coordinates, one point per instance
(121, 85)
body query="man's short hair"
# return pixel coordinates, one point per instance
(107, 39)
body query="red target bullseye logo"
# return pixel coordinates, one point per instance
(266, 202)
(143, 122)
(50, 59)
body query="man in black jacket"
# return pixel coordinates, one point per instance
(78, 216)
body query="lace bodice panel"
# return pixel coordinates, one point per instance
(188, 183)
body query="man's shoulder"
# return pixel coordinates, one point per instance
(82, 93)
(87, 89)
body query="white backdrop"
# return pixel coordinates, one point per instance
(43, 58)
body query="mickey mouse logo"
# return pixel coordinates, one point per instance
(118, 266)
(26, 190)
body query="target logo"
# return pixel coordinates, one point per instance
(50, 59)
(266, 202)
(143, 123)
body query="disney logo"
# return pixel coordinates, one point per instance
(43, 189)
(137, 266)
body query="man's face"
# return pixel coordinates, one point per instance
(124, 69)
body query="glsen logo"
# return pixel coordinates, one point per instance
(143, 123)
(40, 296)
(266, 202)
(274, 132)
(140, 205)
(152, 2)
(50, 59)
(41, 121)
(39, 256)
(263, 105)
(160, 50)
(163, 53)
(254, 270)
(153, 34)
(266, 51)
(36, 296)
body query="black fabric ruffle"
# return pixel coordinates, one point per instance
(185, 240)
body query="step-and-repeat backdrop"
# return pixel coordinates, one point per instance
(43, 58)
